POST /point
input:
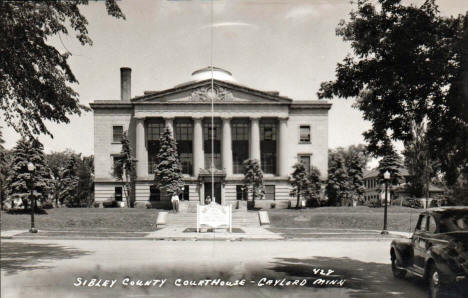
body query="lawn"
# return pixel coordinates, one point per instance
(361, 217)
(85, 219)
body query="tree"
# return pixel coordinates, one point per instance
(125, 170)
(3, 169)
(355, 179)
(35, 77)
(56, 162)
(314, 187)
(299, 183)
(337, 185)
(253, 179)
(20, 179)
(85, 173)
(418, 162)
(168, 170)
(68, 194)
(409, 63)
(392, 163)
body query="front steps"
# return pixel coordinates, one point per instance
(189, 219)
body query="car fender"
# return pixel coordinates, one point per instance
(403, 251)
(436, 255)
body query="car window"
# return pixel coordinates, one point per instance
(431, 224)
(454, 222)
(421, 226)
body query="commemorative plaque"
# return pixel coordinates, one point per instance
(214, 215)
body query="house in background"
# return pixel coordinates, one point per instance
(248, 123)
(375, 190)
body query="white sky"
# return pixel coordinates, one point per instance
(284, 45)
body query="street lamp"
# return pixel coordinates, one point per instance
(31, 169)
(386, 177)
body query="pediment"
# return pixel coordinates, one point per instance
(205, 92)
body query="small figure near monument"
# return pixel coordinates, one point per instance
(207, 200)
(175, 203)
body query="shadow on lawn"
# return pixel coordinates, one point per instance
(18, 256)
(361, 278)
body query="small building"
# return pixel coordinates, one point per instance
(375, 190)
(247, 123)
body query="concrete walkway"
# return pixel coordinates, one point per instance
(253, 233)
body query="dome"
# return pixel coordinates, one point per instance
(218, 74)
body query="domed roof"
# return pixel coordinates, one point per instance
(208, 72)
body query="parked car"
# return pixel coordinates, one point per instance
(437, 251)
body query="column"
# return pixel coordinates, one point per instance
(170, 123)
(255, 138)
(282, 154)
(141, 151)
(226, 146)
(198, 154)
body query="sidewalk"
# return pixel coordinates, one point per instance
(181, 233)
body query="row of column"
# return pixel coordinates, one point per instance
(226, 145)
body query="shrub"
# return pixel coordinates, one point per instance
(96, 204)
(272, 205)
(148, 205)
(47, 205)
(110, 203)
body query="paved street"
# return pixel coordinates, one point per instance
(60, 268)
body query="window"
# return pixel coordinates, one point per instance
(117, 133)
(115, 160)
(240, 144)
(421, 223)
(432, 227)
(268, 146)
(185, 196)
(155, 194)
(242, 193)
(118, 193)
(183, 135)
(305, 160)
(304, 132)
(154, 129)
(211, 135)
(269, 192)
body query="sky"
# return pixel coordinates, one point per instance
(288, 46)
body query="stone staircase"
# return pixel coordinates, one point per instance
(189, 219)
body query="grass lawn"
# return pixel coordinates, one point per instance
(398, 218)
(85, 219)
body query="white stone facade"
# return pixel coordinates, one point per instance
(193, 102)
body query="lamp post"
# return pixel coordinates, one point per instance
(386, 177)
(31, 169)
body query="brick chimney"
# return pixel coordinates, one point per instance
(125, 83)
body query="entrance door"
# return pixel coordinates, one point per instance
(217, 191)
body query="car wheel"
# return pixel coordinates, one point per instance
(398, 273)
(436, 288)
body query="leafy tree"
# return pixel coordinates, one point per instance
(85, 173)
(418, 162)
(253, 178)
(3, 168)
(56, 162)
(355, 179)
(409, 63)
(337, 185)
(299, 183)
(314, 187)
(20, 179)
(68, 193)
(168, 169)
(125, 170)
(35, 77)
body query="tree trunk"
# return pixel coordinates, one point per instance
(298, 198)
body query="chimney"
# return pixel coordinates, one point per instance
(125, 83)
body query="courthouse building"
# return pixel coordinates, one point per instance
(248, 123)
